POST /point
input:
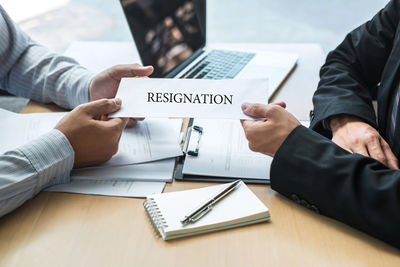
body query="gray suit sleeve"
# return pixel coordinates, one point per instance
(31, 70)
(24, 172)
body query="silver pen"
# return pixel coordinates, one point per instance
(205, 207)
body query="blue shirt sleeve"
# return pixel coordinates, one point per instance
(25, 171)
(33, 71)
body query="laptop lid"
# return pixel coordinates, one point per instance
(168, 33)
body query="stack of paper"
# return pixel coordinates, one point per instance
(147, 152)
(110, 188)
(98, 56)
(225, 150)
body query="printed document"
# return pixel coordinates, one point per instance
(148, 140)
(156, 171)
(110, 188)
(21, 128)
(182, 98)
(223, 148)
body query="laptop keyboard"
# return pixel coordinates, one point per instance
(219, 64)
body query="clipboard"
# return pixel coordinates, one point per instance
(192, 147)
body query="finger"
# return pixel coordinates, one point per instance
(103, 117)
(361, 149)
(392, 161)
(280, 103)
(117, 124)
(255, 110)
(252, 147)
(102, 106)
(246, 124)
(114, 126)
(375, 151)
(130, 70)
(124, 123)
(131, 122)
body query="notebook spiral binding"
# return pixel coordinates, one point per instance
(155, 216)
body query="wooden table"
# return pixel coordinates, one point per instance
(59, 229)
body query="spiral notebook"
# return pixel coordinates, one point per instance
(240, 207)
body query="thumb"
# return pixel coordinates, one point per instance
(255, 110)
(280, 103)
(102, 107)
(130, 70)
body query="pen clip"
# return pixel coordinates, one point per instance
(201, 214)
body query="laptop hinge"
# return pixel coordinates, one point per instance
(184, 64)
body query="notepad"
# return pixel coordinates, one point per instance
(240, 207)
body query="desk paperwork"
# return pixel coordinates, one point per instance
(109, 188)
(150, 140)
(240, 207)
(22, 128)
(156, 171)
(147, 141)
(189, 98)
(223, 148)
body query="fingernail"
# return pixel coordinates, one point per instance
(118, 101)
(245, 106)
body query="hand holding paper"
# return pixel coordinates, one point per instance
(216, 99)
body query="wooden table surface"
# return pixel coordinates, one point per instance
(60, 229)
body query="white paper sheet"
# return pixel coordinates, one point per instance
(149, 140)
(159, 171)
(189, 97)
(21, 128)
(224, 150)
(110, 188)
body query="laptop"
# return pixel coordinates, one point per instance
(171, 36)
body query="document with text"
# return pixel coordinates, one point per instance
(22, 128)
(223, 148)
(156, 171)
(189, 98)
(147, 141)
(109, 188)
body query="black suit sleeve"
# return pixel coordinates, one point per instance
(352, 71)
(356, 190)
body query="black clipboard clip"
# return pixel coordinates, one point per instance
(194, 129)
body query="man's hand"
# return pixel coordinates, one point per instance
(359, 137)
(94, 141)
(105, 84)
(266, 136)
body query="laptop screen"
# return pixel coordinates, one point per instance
(166, 32)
